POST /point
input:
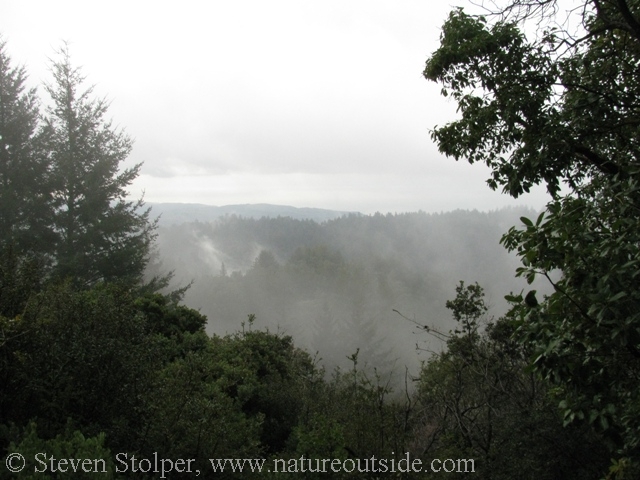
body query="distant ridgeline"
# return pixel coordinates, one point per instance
(176, 213)
(333, 284)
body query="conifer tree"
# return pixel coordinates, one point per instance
(103, 236)
(25, 195)
(26, 231)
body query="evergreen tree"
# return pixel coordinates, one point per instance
(26, 232)
(25, 199)
(103, 236)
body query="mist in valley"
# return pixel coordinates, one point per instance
(345, 285)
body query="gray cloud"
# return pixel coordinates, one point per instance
(318, 103)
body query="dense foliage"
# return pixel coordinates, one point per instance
(562, 109)
(63, 205)
(479, 400)
(333, 285)
(94, 364)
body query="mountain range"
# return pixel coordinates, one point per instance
(178, 213)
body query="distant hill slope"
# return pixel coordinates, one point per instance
(177, 213)
(334, 285)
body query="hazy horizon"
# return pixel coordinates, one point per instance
(308, 104)
(347, 211)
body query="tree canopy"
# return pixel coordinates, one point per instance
(102, 235)
(63, 197)
(550, 106)
(25, 190)
(91, 365)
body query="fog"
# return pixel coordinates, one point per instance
(334, 285)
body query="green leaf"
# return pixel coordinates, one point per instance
(618, 296)
(526, 221)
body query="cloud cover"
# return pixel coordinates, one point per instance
(305, 103)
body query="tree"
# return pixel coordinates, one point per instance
(81, 354)
(25, 200)
(103, 236)
(266, 373)
(95, 355)
(192, 416)
(26, 233)
(479, 401)
(68, 444)
(562, 110)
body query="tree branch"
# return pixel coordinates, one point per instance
(602, 164)
(630, 19)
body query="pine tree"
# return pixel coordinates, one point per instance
(103, 236)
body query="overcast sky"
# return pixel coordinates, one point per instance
(310, 103)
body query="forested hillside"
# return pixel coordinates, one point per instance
(176, 213)
(333, 285)
(519, 330)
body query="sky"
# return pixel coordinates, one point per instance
(308, 103)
